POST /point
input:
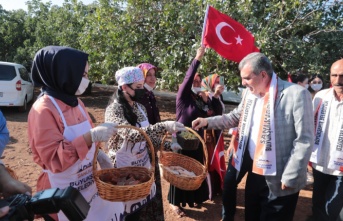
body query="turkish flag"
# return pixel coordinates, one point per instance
(226, 36)
(218, 160)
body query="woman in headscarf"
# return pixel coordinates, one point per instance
(61, 133)
(149, 100)
(191, 103)
(213, 88)
(128, 148)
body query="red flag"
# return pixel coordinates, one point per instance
(218, 160)
(289, 77)
(226, 36)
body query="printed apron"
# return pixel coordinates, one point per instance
(80, 176)
(135, 155)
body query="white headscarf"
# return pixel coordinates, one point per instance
(129, 75)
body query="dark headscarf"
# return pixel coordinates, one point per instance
(59, 70)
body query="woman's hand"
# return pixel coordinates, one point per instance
(218, 90)
(200, 53)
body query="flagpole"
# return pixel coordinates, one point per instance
(216, 147)
(204, 25)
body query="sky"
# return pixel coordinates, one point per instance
(20, 4)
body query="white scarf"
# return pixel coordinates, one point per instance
(321, 117)
(264, 162)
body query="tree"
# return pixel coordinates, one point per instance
(295, 35)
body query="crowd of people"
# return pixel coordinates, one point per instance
(279, 130)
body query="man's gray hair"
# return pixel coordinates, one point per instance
(259, 62)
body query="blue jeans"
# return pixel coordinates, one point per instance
(327, 199)
(231, 182)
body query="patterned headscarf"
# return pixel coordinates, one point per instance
(208, 82)
(145, 67)
(129, 75)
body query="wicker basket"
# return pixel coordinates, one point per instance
(187, 144)
(175, 159)
(125, 193)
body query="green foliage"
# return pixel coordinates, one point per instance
(296, 35)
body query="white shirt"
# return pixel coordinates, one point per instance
(255, 126)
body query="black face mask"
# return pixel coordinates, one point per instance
(139, 93)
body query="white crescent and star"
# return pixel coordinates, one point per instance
(218, 32)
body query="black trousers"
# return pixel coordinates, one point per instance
(261, 204)
(327, 199)
(231, 182)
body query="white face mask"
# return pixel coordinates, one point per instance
(306, 86)
(316, 87)
(83, 86)
(196, 89)
(148, 87)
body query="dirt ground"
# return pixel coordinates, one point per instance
(17, 156)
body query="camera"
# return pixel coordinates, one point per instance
(69, 200)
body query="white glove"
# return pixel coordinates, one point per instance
(103, 132)
(174, 126)
(175, 147)
(104, 161)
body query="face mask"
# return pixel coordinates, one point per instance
(306, 86)
(139, 93)
(83, 86)
(196, 89)
(316, 87)
(148, 87)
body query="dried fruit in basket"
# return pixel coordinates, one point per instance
(129, 179)
(188, 135)
(178, 170)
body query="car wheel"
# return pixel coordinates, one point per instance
(24, 107)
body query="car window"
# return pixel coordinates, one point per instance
(7, 73)
(24, 74)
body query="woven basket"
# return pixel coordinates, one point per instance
(187, 144)
(168, 159)
(120, 193)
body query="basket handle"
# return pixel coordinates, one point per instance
(204, 147)
(151, 147)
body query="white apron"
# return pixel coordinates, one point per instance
(80, 176)
(135, 155)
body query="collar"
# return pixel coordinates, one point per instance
(148, 87)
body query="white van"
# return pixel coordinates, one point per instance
(16, 88)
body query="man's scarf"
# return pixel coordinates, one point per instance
(264, 162)
(321, 117)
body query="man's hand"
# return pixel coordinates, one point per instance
(4, 210)
(231, 149)
(199, 123)
(284, 187)
(10, 186)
